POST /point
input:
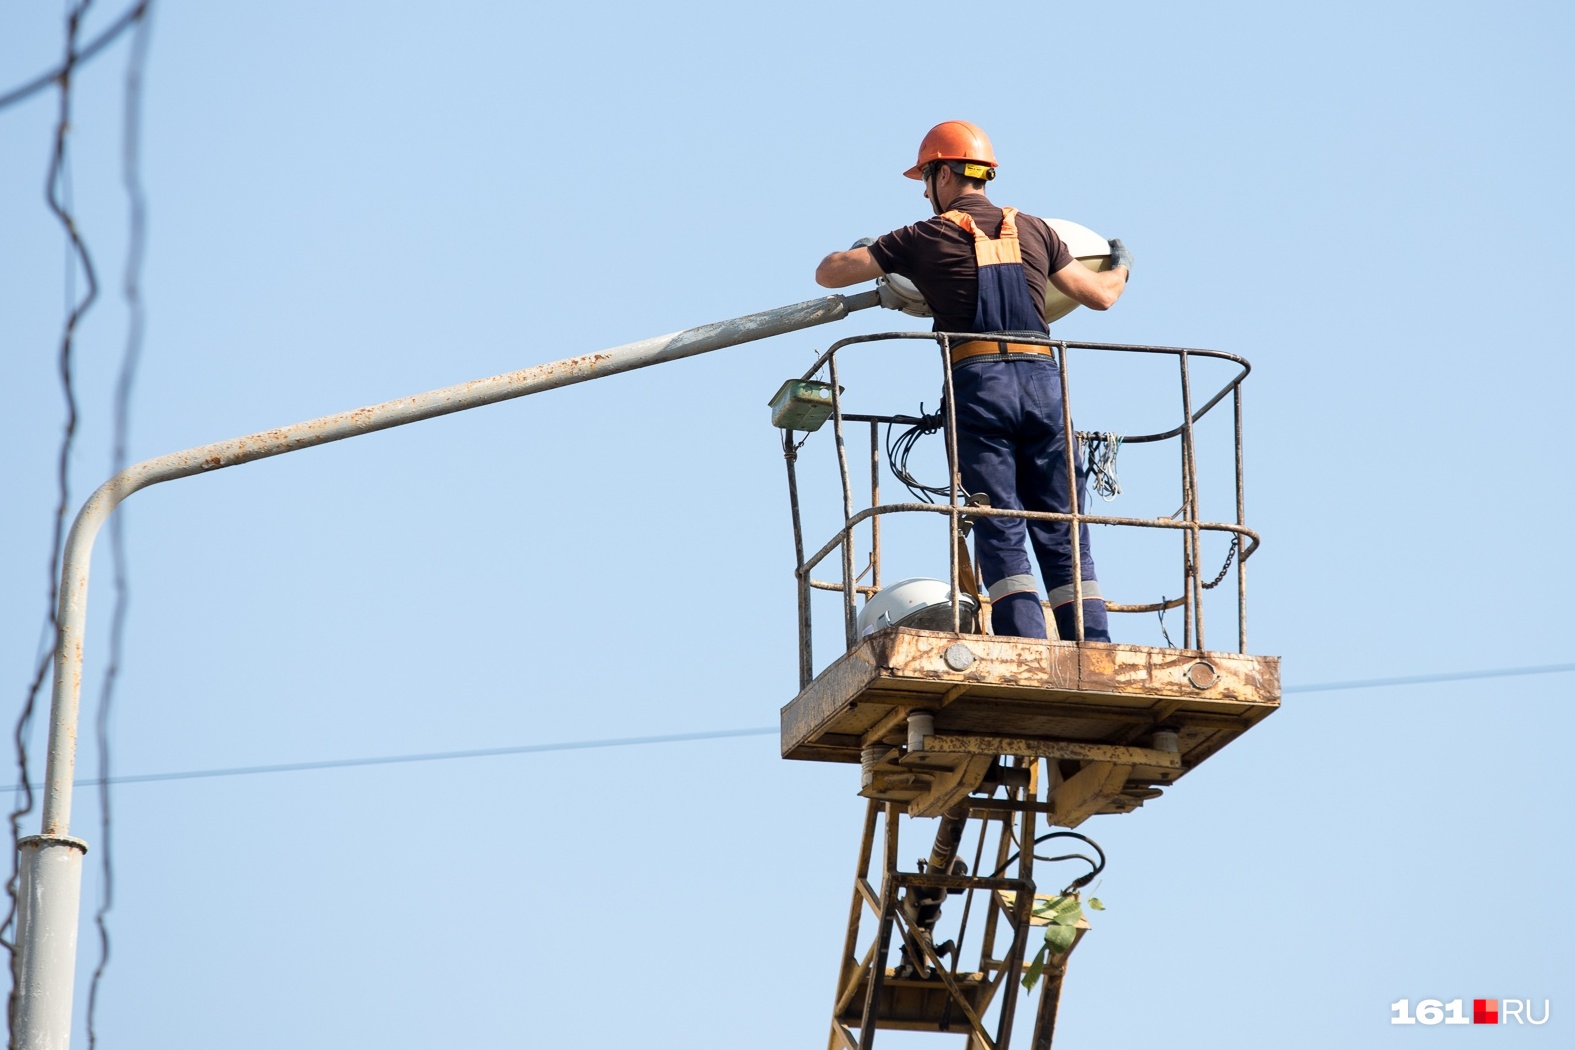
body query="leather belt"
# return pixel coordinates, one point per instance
(997, 348)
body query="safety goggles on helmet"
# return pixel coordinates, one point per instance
(966, 169)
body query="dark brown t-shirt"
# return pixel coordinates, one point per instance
(937, 256)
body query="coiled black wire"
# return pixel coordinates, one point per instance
(900, 447)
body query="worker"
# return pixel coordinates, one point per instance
(983, 269)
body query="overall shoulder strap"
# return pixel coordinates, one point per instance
(987, 252)
(963, 219)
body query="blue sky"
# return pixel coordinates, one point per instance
(352, 202)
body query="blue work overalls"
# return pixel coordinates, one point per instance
(1011, 435)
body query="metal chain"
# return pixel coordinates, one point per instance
(1230, 556)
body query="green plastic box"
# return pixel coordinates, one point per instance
(802, 405)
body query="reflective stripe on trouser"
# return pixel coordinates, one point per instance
(1067, 592)
(1011, 445)
(1014, 585)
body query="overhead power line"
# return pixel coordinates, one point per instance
(1423, 679)
(718, 734)
(99, 43)
(131, 286)
(436, 756)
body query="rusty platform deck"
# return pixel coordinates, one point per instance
(1096, 708)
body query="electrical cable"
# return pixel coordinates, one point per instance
(789, 446)
(1095, 866)
(57, 198)
(1099, 452)
(99, 43)
(717, 734)
(898, 450)
(1426, 679)
(432, 756)
(131, 287)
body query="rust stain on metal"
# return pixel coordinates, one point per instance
(1086, 703)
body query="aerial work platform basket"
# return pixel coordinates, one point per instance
(1132, 718)
(997, 733)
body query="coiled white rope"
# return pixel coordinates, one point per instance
(1099, 453)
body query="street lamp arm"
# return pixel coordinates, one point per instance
(474, 394)
(46, 936)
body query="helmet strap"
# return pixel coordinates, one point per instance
(931, 177)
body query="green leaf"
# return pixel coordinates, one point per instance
(1036, 968)
(1059, 938)
(1096, 904)
(1059, 910)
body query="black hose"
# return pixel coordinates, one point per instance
(1083, 880)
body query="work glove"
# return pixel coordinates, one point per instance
(862, 242)
(1120, 256)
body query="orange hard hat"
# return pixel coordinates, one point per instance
(954, 140)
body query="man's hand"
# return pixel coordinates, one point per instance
(1119, 256)
(854, 266)
(1097, 291)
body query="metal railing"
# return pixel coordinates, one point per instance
(958, 513)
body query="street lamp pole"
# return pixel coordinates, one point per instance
(49, 896)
